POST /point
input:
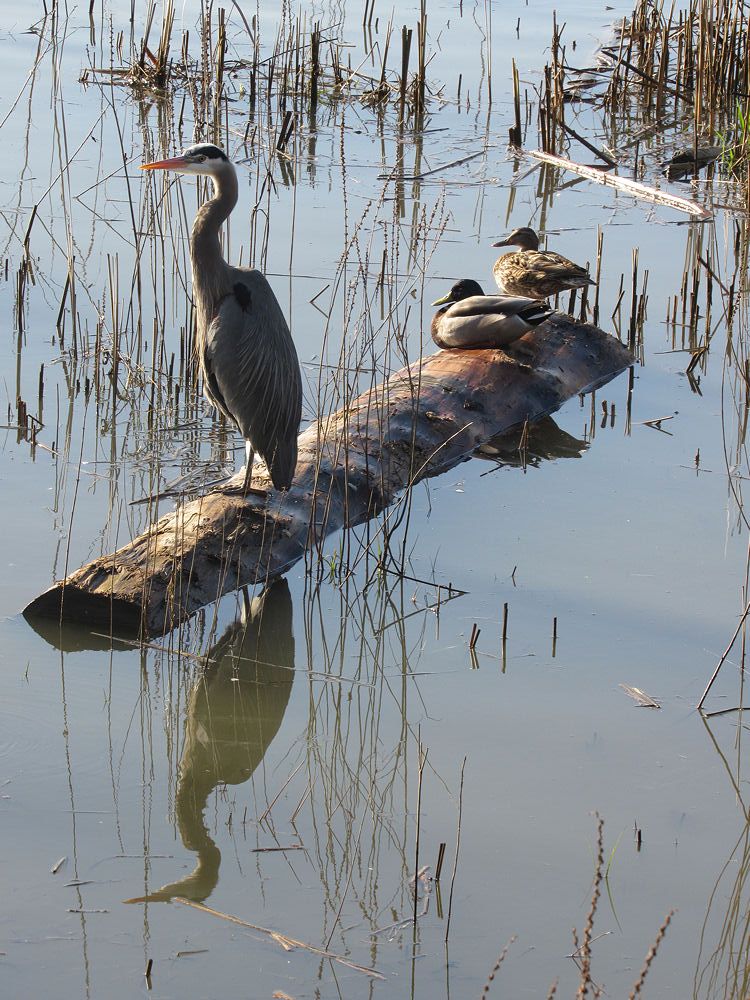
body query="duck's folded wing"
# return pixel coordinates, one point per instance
(480, 330)
(496, 305)
(546, 264)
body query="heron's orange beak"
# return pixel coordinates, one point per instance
(172, 164)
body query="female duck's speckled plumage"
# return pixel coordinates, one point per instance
(469, 318)
(534, 272)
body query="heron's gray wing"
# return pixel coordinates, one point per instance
(251, 369)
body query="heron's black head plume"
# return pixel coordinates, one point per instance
(207, 151)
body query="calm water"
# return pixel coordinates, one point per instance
(153, 779)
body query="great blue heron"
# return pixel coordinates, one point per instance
(246, 352)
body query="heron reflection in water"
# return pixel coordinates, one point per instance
(234, 711)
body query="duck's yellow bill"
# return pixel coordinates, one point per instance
(445, 299)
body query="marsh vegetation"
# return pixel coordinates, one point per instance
(398, 773)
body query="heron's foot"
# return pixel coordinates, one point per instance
(214, 485)
(254, 491)
(247, 487)
(243, 489)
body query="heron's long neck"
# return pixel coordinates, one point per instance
(209, 267)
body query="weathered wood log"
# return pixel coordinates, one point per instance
(422, 421)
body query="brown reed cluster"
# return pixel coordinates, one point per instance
(668, 76)
(307, 64)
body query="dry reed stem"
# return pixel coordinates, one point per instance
(422, 760)
(585, 947)
(286, 942)
(636, 991)
(724, 656)
(458, 845)
(495, 968)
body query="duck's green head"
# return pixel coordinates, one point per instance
(463, 289)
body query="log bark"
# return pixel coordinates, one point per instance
(425, 419)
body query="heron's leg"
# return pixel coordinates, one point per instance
(249, 459)
(245, 605)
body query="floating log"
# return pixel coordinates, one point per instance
(628, 186)
(424, 420)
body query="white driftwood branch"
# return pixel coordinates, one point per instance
(627, 186)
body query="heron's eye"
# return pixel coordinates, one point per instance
(200, 158)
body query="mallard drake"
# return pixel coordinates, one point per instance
(534, 272)
(469, 318)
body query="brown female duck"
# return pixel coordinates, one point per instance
(534, 272)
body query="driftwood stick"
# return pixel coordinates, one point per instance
(634, 188)
(286, 942)
(724, 655)
(599, 153)
(422, 421)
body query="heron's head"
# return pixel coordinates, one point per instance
(525, 238)
(203, 159)
(463, 289)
